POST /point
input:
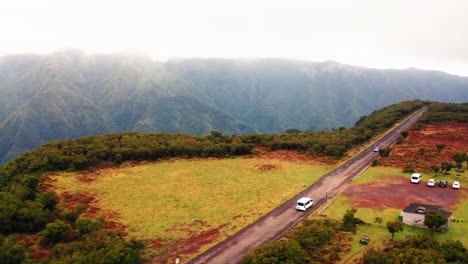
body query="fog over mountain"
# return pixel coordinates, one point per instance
(69, 94)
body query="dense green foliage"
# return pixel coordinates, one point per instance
(10, 251)
(300, 245)
(26, 211)
(419, 249)
(70, 95)
(283, 251)
(440, 112)
(55, 232)
(91, 150)
(349, 221)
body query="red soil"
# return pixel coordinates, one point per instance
(189, 245)
(291, 155)
(47, 182)
(87, 200)
(267, 167)
(406, 155)
(399, 193)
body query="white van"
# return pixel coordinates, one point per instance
(415, 178)
(304, 203)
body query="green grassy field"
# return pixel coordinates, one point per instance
(165, 199)
(378, 231)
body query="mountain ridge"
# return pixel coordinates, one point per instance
(134, 93)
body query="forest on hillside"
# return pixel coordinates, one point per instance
(71, 95)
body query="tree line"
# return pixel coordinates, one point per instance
(89, 151)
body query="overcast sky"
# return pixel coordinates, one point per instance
(383, 34)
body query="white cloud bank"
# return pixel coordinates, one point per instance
(383, 34)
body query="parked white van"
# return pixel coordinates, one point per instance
(415, 178)
(304, 203)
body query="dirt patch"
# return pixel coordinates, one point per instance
(47, 182)
(409, 155)
(292, 155)
(73, 200)
(189, 245)
(399, 193)
(267, 167)
(87, 201)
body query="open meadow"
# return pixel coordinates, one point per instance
(184, 206)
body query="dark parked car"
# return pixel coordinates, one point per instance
(443, 183)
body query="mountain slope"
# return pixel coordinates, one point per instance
(70, 94)
(52, 114)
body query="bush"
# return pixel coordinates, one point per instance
(55, 232)
(98, 247)
(86, 226)
(385, 152)
(48, 200)
(11, 252)
(283, 251)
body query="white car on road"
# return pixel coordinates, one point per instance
(456, 185)
(376, 149)
(304, 203)
(415, 178)
(431, 183)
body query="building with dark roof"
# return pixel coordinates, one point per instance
(414, 214)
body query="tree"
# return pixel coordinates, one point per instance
(48, 200)
(283, 251)
(11, 252)
(436, 169)
(440, 147)
(292, 131)
(459, 158)
(394, 227)
(434, 219)
(446, 166)
(349, 221)
(385, 152)
(56, 231)
(404, 133)
(421, 151)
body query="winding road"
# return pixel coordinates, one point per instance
(276, 223)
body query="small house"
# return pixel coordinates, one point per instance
(414, 214)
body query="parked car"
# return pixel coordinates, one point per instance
(304, 203)
(376, 149)
(431, 183)
(443, 183)
(456, 185)
(415, 178)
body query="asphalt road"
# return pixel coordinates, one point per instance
(277, 222)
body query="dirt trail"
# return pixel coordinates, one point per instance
(274, 225)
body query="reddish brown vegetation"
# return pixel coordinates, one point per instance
(37, 255)
(47, 182)
(267, 167)
(399, 193)
(87, 200)
(187, 246)
(291, 155)
(27, 240)
(407, 155)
